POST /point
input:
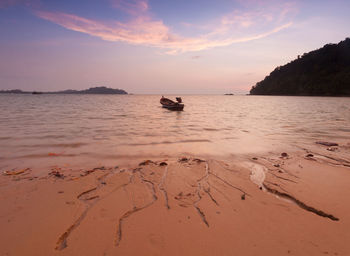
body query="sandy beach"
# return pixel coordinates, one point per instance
(281, 203)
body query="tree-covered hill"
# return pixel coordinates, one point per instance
(323, 72)
(93, 90)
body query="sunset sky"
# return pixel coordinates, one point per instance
(158, 46)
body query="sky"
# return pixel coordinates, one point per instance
(159, 46)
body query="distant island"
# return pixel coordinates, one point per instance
(93, 90)
(323, 72)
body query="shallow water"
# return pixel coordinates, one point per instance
(45, 129)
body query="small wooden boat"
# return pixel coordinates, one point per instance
(172, 105)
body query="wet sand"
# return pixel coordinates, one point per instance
(272, 204)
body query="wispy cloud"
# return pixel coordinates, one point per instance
(142, 29)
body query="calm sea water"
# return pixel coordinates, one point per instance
(51, 129)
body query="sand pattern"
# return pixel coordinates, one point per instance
(155, 208)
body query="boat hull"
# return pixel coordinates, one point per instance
(178, 107)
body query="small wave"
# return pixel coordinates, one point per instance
(166, 142)
(100, 138)
(45, 155)
(210, 129)
(103, 130)
(344, 129)
(58, 145)
(150, 135)
(120, 116)
(189, 141)
(50, 137)
(101, 118)
(301, 130)
(35, 137)
(230, 138)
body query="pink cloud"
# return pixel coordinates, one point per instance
(137, 31)
(143, 30)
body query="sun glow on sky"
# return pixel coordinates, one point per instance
(159, 46)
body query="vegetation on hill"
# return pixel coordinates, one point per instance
(323, 72)
(93, 90)
(16, 91)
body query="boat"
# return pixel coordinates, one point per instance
(172, 105)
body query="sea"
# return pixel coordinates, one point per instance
(91, 130)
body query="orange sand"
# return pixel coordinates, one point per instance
(186, 207)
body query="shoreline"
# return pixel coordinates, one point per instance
(182, 205)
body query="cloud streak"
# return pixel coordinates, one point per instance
(142, 29)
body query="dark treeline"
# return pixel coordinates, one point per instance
(93, 90)
(323, 72)
(16, 91)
